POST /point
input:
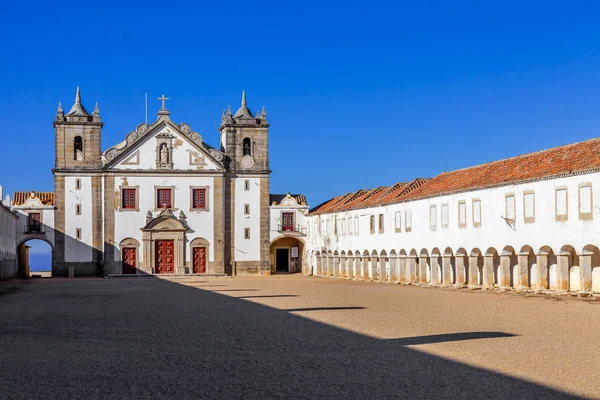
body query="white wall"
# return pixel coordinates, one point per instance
(494, 231)
(78, 250)
(128, 223)
(247, 249)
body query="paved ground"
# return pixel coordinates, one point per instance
(290, 337)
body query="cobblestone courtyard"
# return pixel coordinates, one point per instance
(290, 337)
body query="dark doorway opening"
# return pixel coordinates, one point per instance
(282, 259)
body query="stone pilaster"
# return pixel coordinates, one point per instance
(110, 265)
(59, 267)
(447, 269)
(220, 247)
(541, 281)
(97, 239)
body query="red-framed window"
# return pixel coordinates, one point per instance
(163, 198)
(128, 198)
(287, 221)
(198, 198)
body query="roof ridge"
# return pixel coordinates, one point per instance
(518, 156)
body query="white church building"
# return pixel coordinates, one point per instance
(528, 222)
(163, 201)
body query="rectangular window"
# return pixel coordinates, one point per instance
(287, 221)
(445, 216)
(350, 226)
(477, 213)
(246, 209)
(78, 209)
(561, 205)
(462, 214)
(34, 222)
(246, 233)
(510, 207)
(199, 199)
(246, 184)
(328, 227)
(408, 220)
(585, 201)
(528, 207)
(163, 198)
(356, 226)
(344, 227)
(128, 198)
(372, 223)
(397, 221)
(336, 224)
(380, 223)
(78, 233)
(433, 217)
(77, 184)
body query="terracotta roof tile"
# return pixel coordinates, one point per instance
(558, 161)
(563, 160)
(47, 198)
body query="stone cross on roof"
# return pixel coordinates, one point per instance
(163, 98)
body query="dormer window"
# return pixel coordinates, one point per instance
(78, 148)
(247, 147)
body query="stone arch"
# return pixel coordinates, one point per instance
(374, 266)
(509, 267)
(448, 267)
(23, 271)
(590, 264)
(528, 268)
(78, 148)
(547, 268)
(461, 267)
(129, 256)
(568, 269)
(319, 263)
(424, 266)
(394, 266)
(491, 268)
(476, 267)
(435, 264)
(199, 249)
(384, 266)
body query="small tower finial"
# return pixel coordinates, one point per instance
(264, 112)
(228, 111)
(243, 98)
(96, 110)
(78, 96)
(60, 110)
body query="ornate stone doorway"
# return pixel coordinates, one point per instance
(164, 244)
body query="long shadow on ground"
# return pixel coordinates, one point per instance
(154, 339)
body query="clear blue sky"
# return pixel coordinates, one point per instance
(358, 94)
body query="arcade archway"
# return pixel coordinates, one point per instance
(286, 255)
(35, 258)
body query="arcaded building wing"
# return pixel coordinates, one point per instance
(525, 222)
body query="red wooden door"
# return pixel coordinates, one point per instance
(288, 221)
(129, 260)
(165, 259)
(199, 260)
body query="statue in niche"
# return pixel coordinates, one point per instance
(164, 154)
(79, 155)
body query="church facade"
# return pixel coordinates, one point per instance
(163, 201)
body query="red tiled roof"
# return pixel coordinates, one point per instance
(563, 160)
(46, 198)
(558, 161)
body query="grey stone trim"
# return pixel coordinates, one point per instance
(119, 207)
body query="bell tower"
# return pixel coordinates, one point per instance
(78, 137)
(245, 139)
(78, 241)
(245, 143)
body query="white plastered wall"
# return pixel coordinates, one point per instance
(493, 232)
(247, 249)
(78, 250)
